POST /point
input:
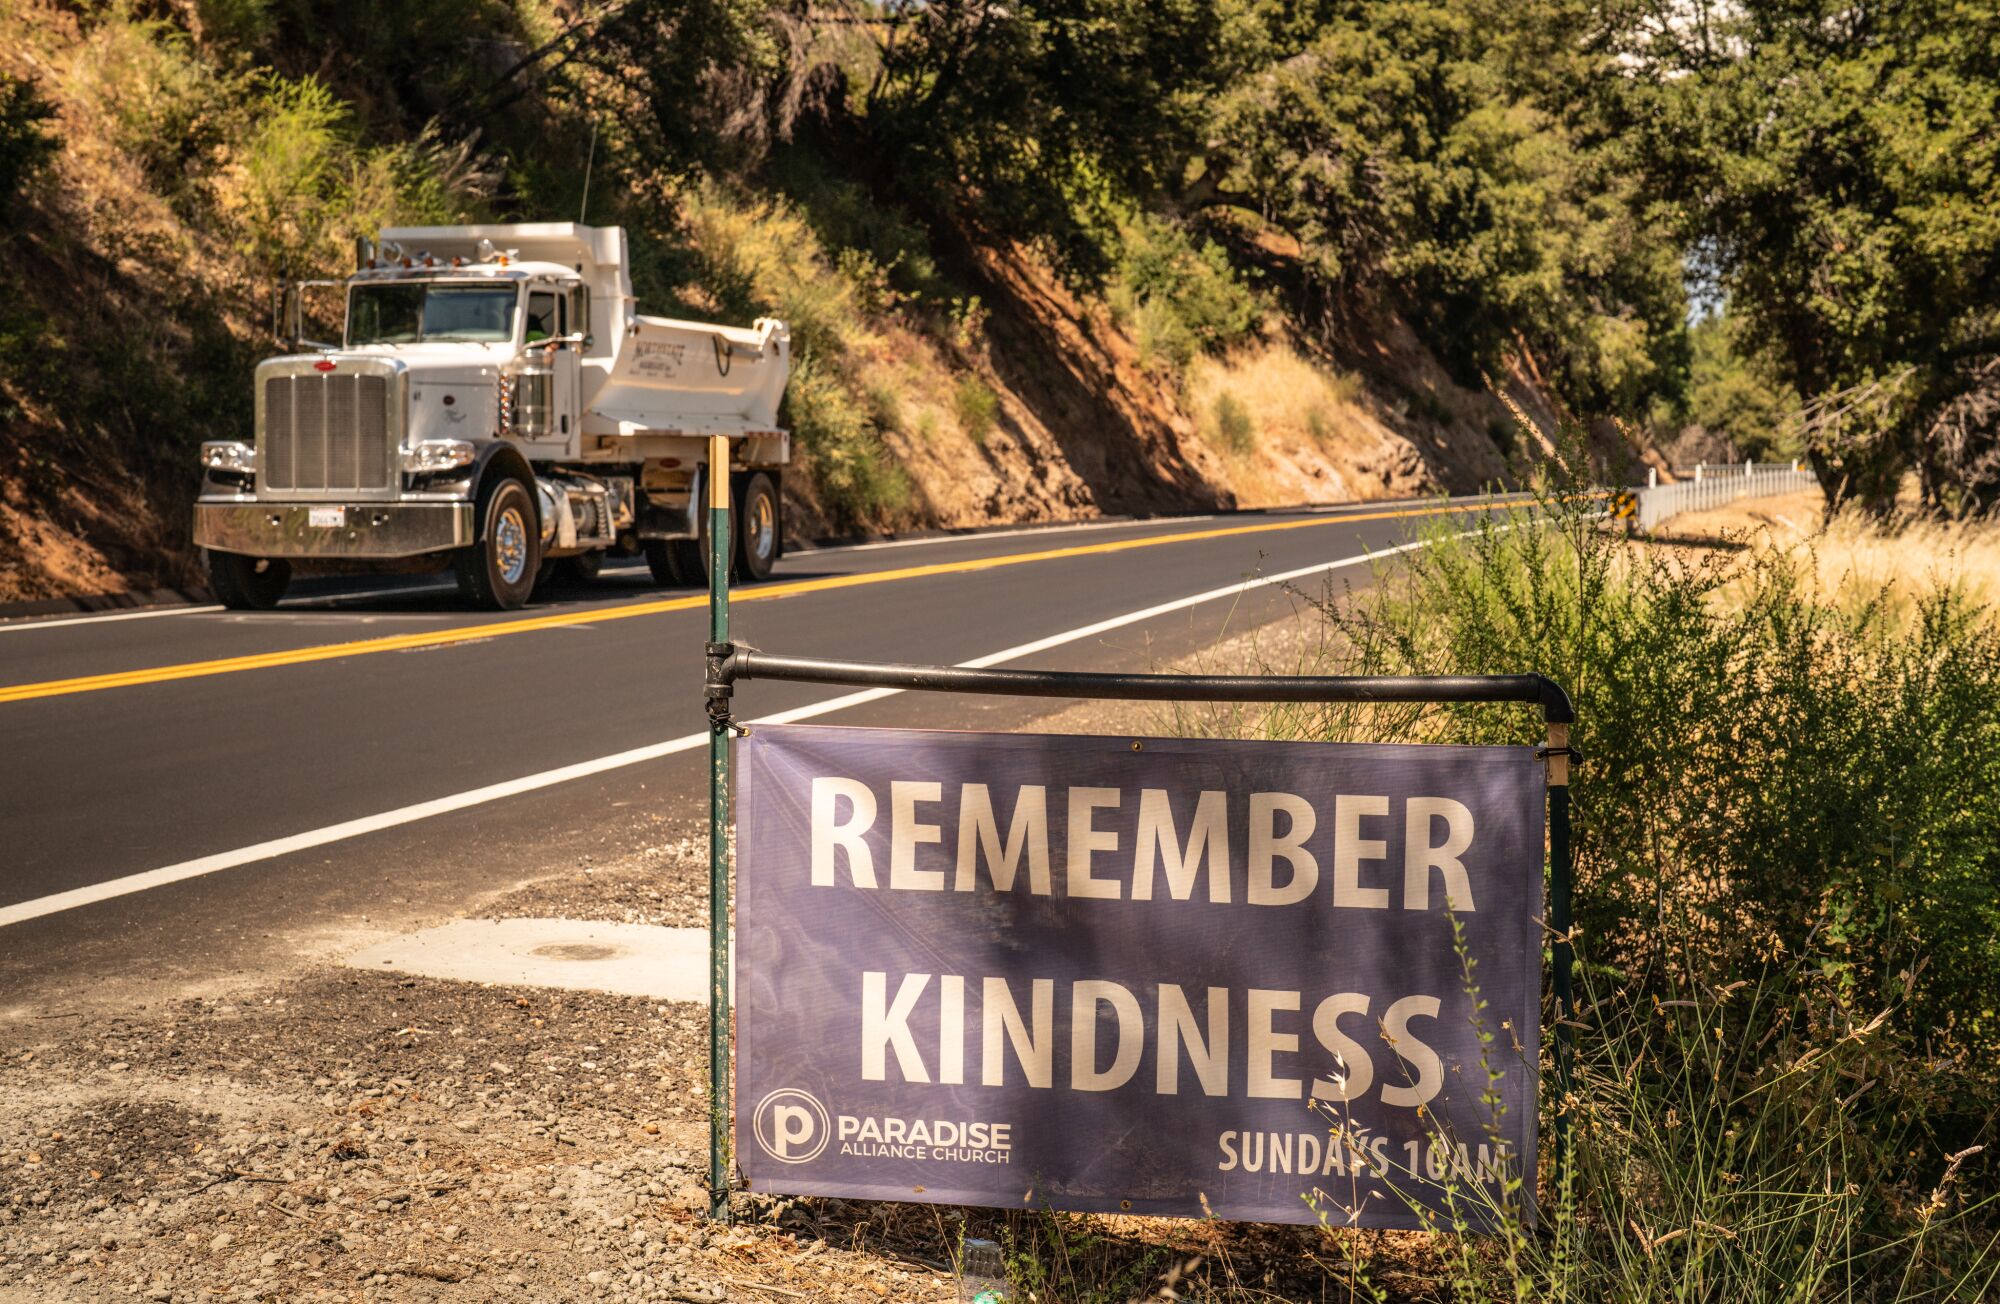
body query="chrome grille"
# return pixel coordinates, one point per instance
(327, 431)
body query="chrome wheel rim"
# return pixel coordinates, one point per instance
(763, 526)
(510, 545)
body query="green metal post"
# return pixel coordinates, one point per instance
(1561, 872)
(718, 834)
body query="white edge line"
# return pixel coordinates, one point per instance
(310, 603)
(102, 618)
(187, 869)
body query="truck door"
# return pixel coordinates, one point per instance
(548, 319)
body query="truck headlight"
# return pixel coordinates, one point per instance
(231, 456)
(438, 455)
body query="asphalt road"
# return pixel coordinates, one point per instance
(177, 785)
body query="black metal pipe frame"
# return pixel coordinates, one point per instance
(748, 663)
(728, 663)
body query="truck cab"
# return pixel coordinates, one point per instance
(496, 404)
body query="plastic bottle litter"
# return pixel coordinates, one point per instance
(982, 1274)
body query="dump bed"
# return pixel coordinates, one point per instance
(693, 377)
(641, 375)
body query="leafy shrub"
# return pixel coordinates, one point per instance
(235, 24)
(1779, 772)
(422, 57)
(870, 234)
(295, 176)
(976, 407)
(1788, 905)
(861, 480)
(1179, 298)
(309, 185)
(762, 259)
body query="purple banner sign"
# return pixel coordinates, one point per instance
(1251, 980)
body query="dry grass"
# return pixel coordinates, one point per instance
(1852, 555)
(1282, 393)
(1292, 431)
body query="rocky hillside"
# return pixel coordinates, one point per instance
(163, 165)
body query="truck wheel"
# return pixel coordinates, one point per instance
(757, 526)
(247, 583)
(580, 569)
(663, 560)
(498, 572)
(689, 558)
(677, 563)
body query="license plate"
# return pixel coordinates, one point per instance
(327, 518)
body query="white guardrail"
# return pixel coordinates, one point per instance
(1714, 485)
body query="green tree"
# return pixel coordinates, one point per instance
(1735, 396)
(1836, 167)
(1034, 118)
(1397, 148)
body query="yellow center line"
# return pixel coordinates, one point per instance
(527, 625)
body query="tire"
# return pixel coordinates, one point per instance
(677, 563)
(580, 569)
(498, 572)
(757, 526)
(663, 560)
(247, 583)
(689, 558)
(684, 562)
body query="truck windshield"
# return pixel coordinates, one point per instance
(410, 314)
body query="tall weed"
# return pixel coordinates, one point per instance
(1769, 770)
(1787, 831)
(843, 448)
(1787, 903)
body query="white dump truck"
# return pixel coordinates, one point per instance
(496, 404)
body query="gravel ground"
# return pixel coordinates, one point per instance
(341, 1134)
(328, 1133)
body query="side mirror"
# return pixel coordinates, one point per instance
(291, 315)
(288, 315)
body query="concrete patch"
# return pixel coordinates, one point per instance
(662, 964)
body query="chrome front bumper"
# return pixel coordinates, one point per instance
(364, 529)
